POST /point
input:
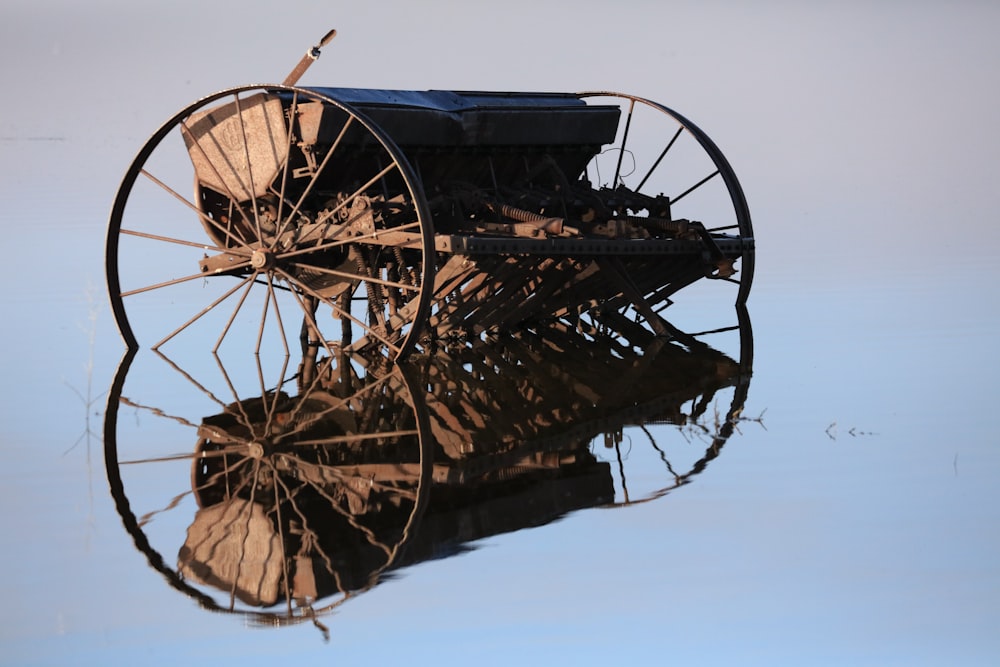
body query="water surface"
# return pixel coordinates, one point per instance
(851, 516)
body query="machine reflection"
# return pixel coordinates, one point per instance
(305, 484)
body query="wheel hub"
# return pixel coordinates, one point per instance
(262, 259)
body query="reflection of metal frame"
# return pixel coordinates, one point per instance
(725, 426)
(306, 498)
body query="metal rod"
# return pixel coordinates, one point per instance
(656, 164)
(694, 187)
(628, 123)
(308, 59)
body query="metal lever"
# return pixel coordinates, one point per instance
(308, 59)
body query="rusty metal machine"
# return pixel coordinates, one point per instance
(416, 218)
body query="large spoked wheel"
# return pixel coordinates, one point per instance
(295, 494)
(300, 205)
(659, 155)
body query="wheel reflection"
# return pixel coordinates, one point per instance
(280, 490)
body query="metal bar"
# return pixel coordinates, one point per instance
(476, 245)
(308, 59)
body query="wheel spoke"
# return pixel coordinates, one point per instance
(174, 502)
(188, 456)
(271, 408)
(246, 154)
(156, 411)
(273, 299)
(320, 168)
(694, 187)
(656, 164)
(293, 111)
(338, 312)
(201, 214)
(224, 473)
(734, 327)
(237, 401)
(270, 300)
(192, 244)
(281, 541)
(204, 311)
(263, 316)
(246, 531)
(311, 319)
(722, 229)
(621, 155)
(239, 305)
(293, 414)
(187, 376)
(167, 283)
(353, 276)
(234, 200)
(308, 530)
(351, 519)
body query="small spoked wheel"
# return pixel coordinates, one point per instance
(300, 205)
(660, 156)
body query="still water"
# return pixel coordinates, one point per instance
(814, 484)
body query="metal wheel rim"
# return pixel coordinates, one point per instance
(725, 171)
(416, 315)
